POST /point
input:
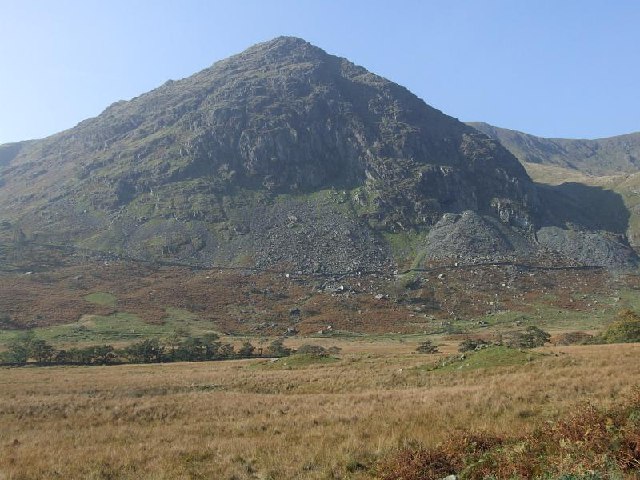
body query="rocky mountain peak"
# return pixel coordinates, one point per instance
(183, 170)
(284, 47)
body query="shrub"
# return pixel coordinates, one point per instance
(313, 350)
(277, 349)
(145, 351)
(246, 350)
(103, 354)
(469, 344)
(427, 347)
(17, 353)
(531, 337)
(625, 329)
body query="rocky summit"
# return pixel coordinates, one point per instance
(285, 157)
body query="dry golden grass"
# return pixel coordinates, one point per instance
(554, 175)
(259, 420)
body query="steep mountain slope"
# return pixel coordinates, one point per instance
(282, 156)
(605, 156)
(9, 151)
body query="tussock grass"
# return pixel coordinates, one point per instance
(229, 419)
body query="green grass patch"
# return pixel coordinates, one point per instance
(179, 315)
(92, 329)
(296, 361)
(491, 357)
(117, 327)
(407, 248)
(102, 298)
(601, 311)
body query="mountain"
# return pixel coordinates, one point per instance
(284, 156)
(604, 156)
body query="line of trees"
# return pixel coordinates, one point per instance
(177, 348)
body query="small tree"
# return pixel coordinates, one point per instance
(277, 349)
(625, 329)
(427, 347)
(145, 351)
(83, 356)
(103, 354)
(226, 351)
(469, 344)
(211, 347)
(531, 337)
(174, 342)
(41, 351)
(246, 350)
(17, 353)
(19, 349)
(62, 357)
(191, 349)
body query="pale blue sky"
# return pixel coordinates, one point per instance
(548, 67)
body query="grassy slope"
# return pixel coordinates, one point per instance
(555, 175)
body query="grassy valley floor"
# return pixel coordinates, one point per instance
(290, 418)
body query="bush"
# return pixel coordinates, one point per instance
(531, 337)
(41, 351)
(277, 349)
(427, 347)
(246, 350)
(313, 350)
(470, 344)
(625, 329)
(17, 353)
(145, 351)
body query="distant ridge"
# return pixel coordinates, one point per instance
(604, 156)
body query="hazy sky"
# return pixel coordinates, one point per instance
(559, 68)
